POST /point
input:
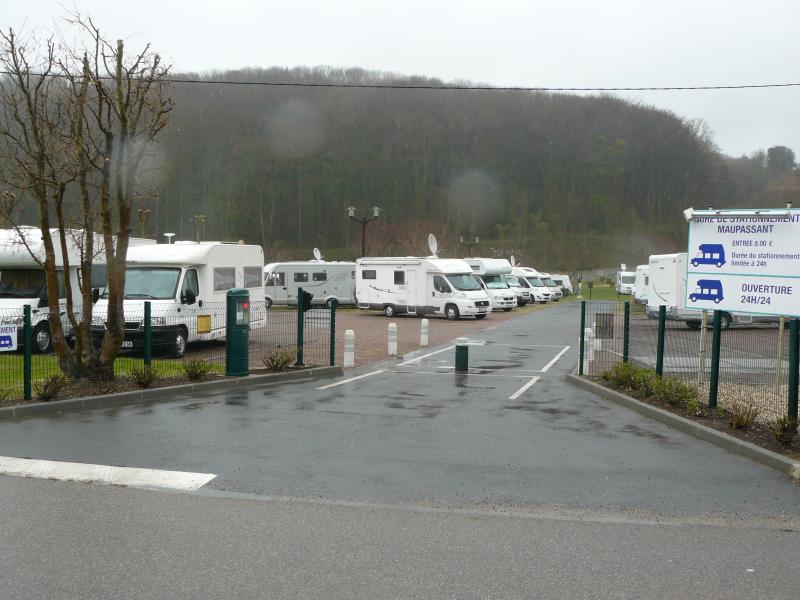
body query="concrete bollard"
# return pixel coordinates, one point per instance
(392, 339)
(349, 349)
(423, 333)
(462, 355)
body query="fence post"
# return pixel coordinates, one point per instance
(300, 336)
(583, 336)
(794, 364)
(713, 380)
(148, 335)
(332, 360)
(626, 331)
(662, 322)
(27, 340)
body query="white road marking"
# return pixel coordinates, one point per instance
(103, 474)
(419, 358)
(523, 389)
(555, 360)
(349, 379)
(440, 373)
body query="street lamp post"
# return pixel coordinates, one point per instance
(469, 245)
(351, 212)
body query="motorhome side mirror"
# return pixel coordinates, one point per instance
(95, 295)
(189, 297)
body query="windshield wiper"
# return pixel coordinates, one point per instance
(146, 296)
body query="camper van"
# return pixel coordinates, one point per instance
(22, 279)
(555, 291)
(420, 286)
(626, 280)
(642, 281)
(186, 284)
(492, 272)
(563, 282)
(530, 277)
(520, 290)
(327, 281)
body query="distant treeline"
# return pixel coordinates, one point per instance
(566, 181)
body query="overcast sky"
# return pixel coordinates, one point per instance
(561, 43)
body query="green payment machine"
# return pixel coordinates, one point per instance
(237, 363)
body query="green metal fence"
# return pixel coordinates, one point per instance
(754, 362)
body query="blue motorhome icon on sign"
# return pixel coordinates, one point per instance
(710, 254)
(708, 289)
(6, 341)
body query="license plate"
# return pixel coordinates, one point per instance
(482, 309)
(127, 344)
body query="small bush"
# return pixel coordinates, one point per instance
(674, 392)
(48, 390)
(646, 382)
(784, 429)
(278, 361)
(693, 407)
(622, 374)
(196, 368)
(742, 414)
(144, 376)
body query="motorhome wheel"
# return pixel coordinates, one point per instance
(452, 312)
(388, 310)
(42, 340)
(179, 344)
(330, 302)
(267, 303)
(725, 321)
(693, 324)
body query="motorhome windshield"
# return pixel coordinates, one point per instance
(628, 279)
(535, 281)
(464, 283)
(521, 282)
(548, 282)
(495, 282)
(21, 283)
(150, 283)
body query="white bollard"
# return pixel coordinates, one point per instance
(423, 333)
(392, 339)
(349, 349)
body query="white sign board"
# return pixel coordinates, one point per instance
(745, 264)
(8, 338)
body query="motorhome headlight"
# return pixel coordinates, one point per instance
(158, 321)
(98, 322)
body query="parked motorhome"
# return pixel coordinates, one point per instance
(626, 281)
(22, 278)
(641, 284)
(530, 277)
(186, 284)
(325, 280)
(555, 291)
(492, 272)
(420, 286)
(521, 291)
(563, 282)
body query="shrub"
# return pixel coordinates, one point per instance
(279, 360)
(196, 368)
(48, 390)
(742, 414)
(693, 407)
(646, 382)
(784, 429)
(674, 392)
(144, 376)
(622, 374)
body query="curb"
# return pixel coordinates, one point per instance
(162, 394)
(723, 440)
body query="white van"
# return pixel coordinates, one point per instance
(326, 280)
(563, 282)
(529, 278)
(555, 290)
(22, 279)
(626, 280)
(641, 284)
(419, 286)
(492, 272)
(186, 284)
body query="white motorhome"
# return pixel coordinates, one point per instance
(626, 280)
(22, 278)
(326, 280)
(419, 286)
(563, 282)
(186, 284)
(641, 284)
(492, 272)
(530, 278)
(555, 290)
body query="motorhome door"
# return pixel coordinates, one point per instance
(441, 291)
(191, 301)
(276, 287)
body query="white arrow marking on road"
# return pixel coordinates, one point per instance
(523, 389)
(555, 359)
(103, 474)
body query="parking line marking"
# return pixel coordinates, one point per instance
(103, 474)
(349, 379)
(440, 373)
(523, 389)
(555, 360)
(419, 358)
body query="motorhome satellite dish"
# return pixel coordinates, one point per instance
(513, 261)
(624, 267)
(433, 245)
(317, 254)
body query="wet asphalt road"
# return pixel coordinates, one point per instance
(418, 433)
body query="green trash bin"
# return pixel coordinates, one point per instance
(237, 333)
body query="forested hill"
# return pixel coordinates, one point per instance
(562, 180)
